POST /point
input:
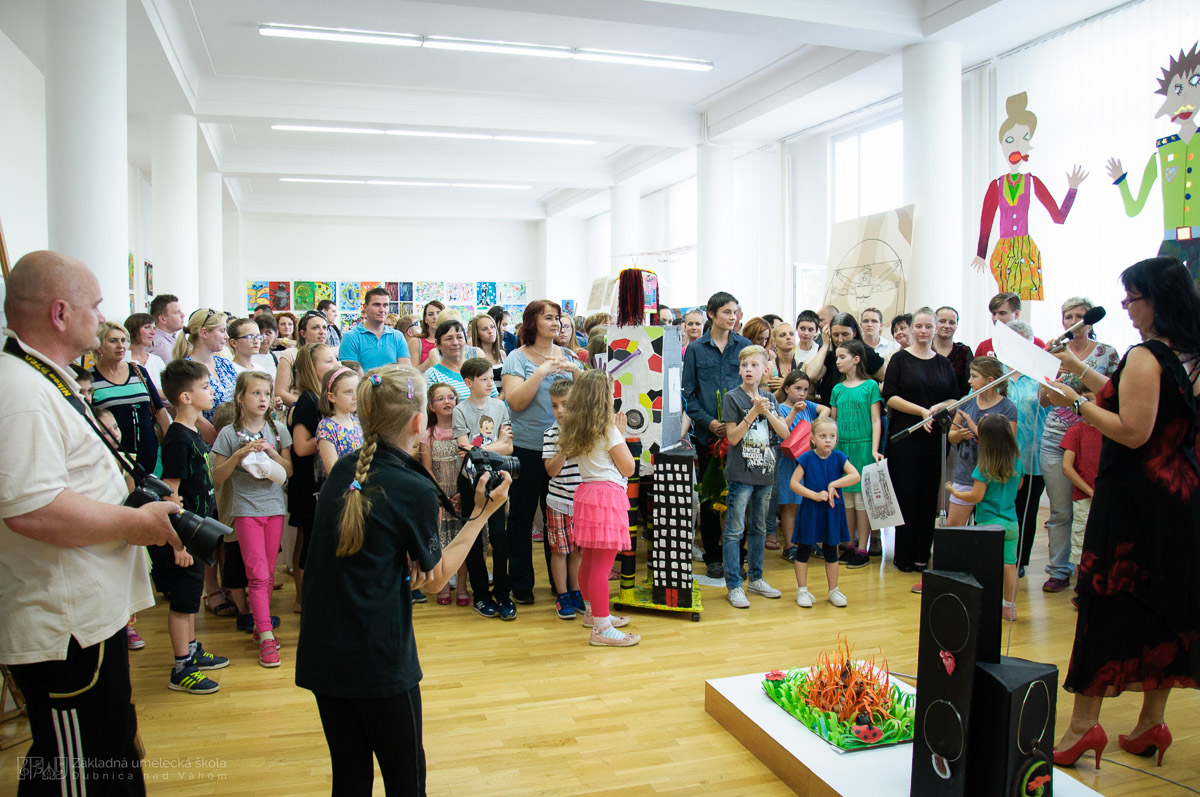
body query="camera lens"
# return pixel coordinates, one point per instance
(200, 535)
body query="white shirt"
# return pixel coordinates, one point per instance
(802, 356)
(50, 593)
(597, 465)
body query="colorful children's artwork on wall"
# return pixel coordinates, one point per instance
(1016, 262)
(512, 292)
(465, 311)
(650, 291)
(281, 296)
(257, 292)
(132, 302)
(516, 311)
(485, 294)
(323, 291)
(405, 308)
(399, 291)
(149, 278)
(1176, 154)
(350, 297)
(131, 271)
(460, 292)
(429, 291)
(306, 295)
(568, 307)
(866, 262)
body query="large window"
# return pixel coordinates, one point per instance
(868, 171)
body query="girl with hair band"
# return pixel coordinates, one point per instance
(594, 436)
(201, 340)
(258, 501)
(339, 431)
(313, 361)
(440, 456)
(422, 345)
(856, 406)
(314, 329)
(375, 538)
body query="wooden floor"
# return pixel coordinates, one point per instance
(528, 708)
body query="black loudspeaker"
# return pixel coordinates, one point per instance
(950, 608)
(978, 550)
(1011, 742)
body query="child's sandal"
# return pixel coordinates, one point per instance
(463, 599)
(223, 609)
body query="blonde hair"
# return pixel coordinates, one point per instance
(304, 374)
(385, 411)
(240, 388)
(189, 336)
(1018, 114)
(102, 332)
(589, 414)
(752, 351)
(998, 449)
(449, 314)
(822, 422)
(991, 370)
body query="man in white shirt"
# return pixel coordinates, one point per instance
(72, 566)
(168, 320)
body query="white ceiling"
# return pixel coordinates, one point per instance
(779, 66)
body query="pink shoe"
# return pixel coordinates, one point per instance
(915, 588)
(536, 536)
(1009, 612)
(134, 638)
(268, 653)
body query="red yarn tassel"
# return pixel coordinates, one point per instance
(631, 298)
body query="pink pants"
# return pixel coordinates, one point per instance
(258, 538)
(594, 567)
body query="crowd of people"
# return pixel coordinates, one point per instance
(358, 453)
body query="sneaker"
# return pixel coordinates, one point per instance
(846, 555)
(1055, 584)
(837, 598)
(268, 653)
(916, 588)
(623, 641)
(876, 548)
(737, 598)
(789, 554)
(860, 559)
(523, 598)
(485, 607)
(258, 640)
(618, 621)
(134, 639)
(418, 596)
(1021, 571)
(804, 598)
(564, 608)
(1009, 612)
(577, 602)
(759, 586)
(536, 536)
(506, 609)
(207, 661)
(491, 578)
(697, 554)
(189, 679)
(245, 622)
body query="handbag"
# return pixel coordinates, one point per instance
(798, 440)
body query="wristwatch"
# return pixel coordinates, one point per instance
(1079, 402)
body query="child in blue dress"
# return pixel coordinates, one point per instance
(819, 477)
(793, 393)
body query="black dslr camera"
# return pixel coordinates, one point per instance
(200, 535)
(478, 462)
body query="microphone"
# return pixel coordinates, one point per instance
(1089, 319)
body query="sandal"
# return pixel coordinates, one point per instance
(772, 544)
(443, 598)
(614, 574)
(463, 599)
(223, 609)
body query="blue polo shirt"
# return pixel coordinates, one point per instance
(361, 346)
(706, 370)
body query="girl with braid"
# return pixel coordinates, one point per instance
(374, 539)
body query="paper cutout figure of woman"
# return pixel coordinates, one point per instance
(1016, 262)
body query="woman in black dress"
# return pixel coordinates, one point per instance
(919, 382)
(1139, 608)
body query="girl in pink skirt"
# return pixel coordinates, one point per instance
(594, 436)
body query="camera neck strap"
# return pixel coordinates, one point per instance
(413, 464)
(11, 346)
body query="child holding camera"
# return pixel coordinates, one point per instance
(185, 470)
(467, 421)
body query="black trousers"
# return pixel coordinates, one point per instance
(387, 728)
(476, 561)
(1029, 498)
(82, 723)
(525, 495)
(916, 479)
(710, 521)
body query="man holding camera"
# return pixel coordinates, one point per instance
(72, 568)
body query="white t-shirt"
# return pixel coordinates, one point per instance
(802, 356)
(154, 366)
(51, 593)
(597, 465)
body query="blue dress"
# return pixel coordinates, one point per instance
(817, 521)
(786, 466)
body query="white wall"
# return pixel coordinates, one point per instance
(565, 259)
(293, 247)
(22, 152)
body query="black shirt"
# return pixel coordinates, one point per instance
(302, 486)
(356, 634)
(185, 457)
(832, 376)
(924, 383)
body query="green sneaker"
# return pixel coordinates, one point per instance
(189, 679)
(207, 661)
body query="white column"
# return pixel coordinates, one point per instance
(932, 85)
(87, 152)
(211, 244)
(234, 285)
(173, 179)
(625, 225)
(714, 233)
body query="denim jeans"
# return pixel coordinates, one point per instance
(773, 511)
(757, 497)
(1058, 529)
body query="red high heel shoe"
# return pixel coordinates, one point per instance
(1094, 739)
(1157, 738)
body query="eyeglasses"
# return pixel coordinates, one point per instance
(255, 338)
(1130, 300)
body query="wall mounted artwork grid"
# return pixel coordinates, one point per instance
(405, 298)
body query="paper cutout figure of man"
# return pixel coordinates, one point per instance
(1180, 84)
(1016, 261)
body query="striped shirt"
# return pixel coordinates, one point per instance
(561, 496)
(133, 405)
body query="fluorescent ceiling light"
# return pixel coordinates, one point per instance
(434, 134)
(339, 35)
(317, 129)
(319, 180)
(410, 183)
(541, 140)
(419, 183)
(482, 46)
(430, 134)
